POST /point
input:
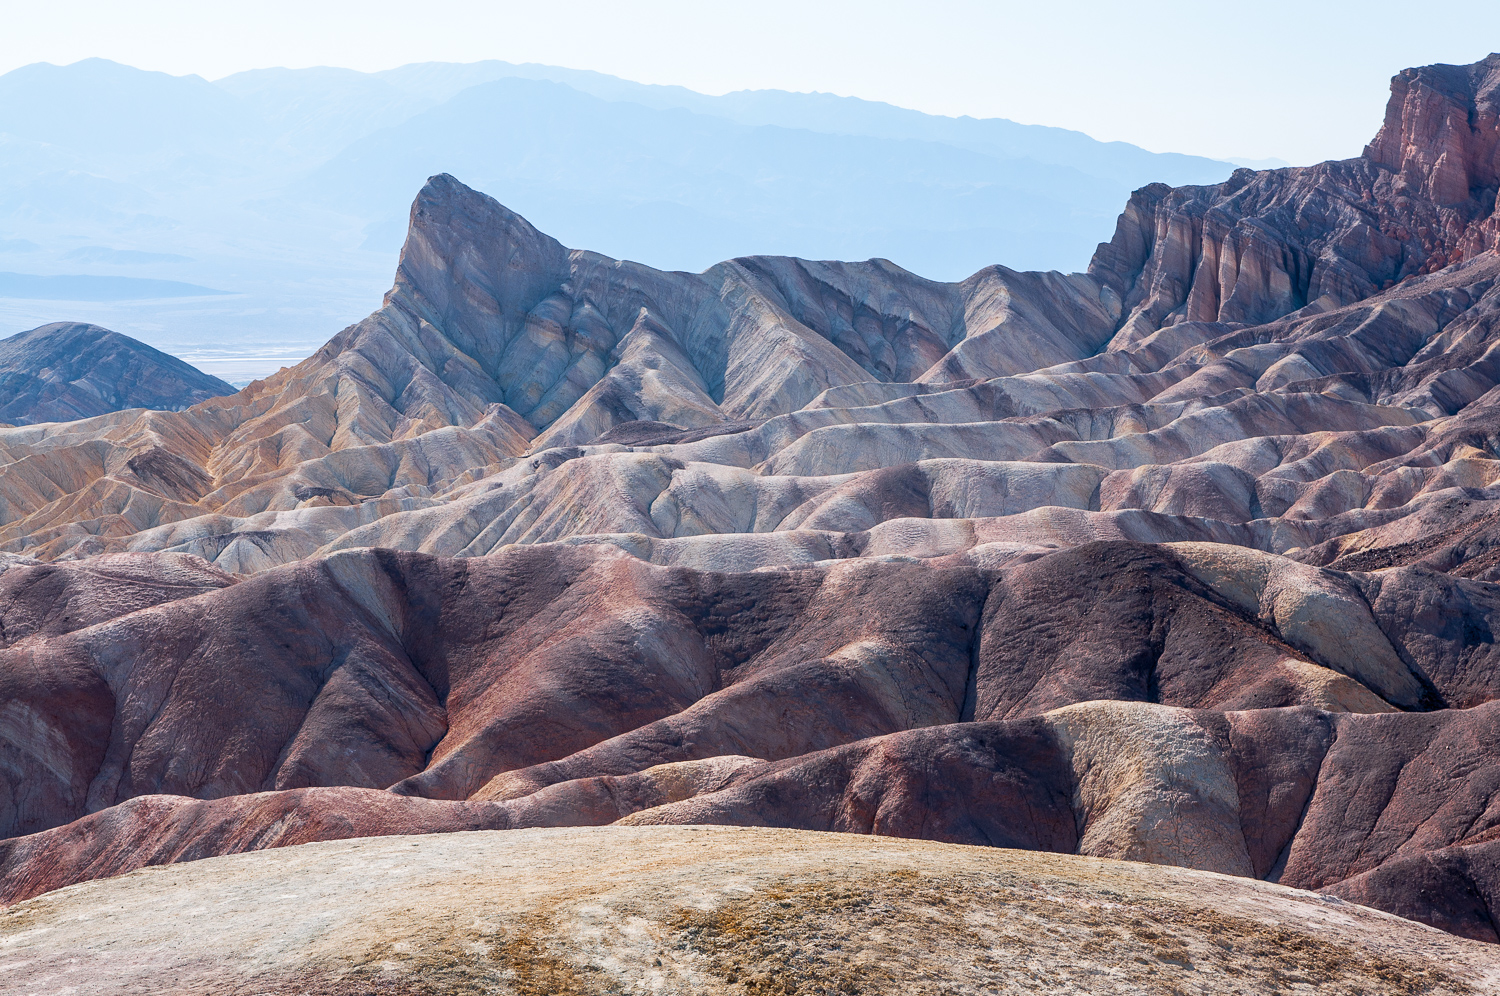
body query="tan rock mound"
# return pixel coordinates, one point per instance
(709, 910)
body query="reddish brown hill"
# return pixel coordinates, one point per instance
(557, 686)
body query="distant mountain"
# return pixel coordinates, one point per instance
(327, 96)
(118, 120)
(67, 371)
(104, 254)
(292, 186)
(628, 171)
(83, 287)
(678, 189)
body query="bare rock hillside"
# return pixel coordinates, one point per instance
(67, 370)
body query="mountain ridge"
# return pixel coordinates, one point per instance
(244, 199)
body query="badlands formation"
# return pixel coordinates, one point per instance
(1192, 560)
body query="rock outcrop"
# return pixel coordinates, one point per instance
(66, 371)
(1190, 560)
(709, 910)
(1261, 246)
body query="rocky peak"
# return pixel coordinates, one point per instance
(471, 263)
(1263, 245)
(1441, 133)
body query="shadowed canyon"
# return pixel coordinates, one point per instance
(1192, 559)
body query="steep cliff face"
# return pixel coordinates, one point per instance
(1261, 246)
(1441, 134)
(69, 370)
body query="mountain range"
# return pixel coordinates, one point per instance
(1191, 559)
(285, 191)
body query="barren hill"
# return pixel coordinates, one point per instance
(1191, 559)
(67, 371)
(710, 910)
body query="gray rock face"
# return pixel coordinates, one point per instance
(488, 310)
(69, 370)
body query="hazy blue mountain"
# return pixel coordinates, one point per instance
(314, 113)
(677, 189)
(121, 120)
(289, 189)
(83, 287)
(833, 114)
(104, 254)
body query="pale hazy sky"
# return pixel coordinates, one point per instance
(1302, 80)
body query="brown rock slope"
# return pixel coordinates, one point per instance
(1191, 559)
(709, 910)
(1194, 704)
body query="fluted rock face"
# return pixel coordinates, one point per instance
(496, 341)
(1442, 132)
(576, 342)
(1191, 559)
(1261, 246)
(68, 370)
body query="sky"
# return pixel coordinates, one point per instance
(1301, 81)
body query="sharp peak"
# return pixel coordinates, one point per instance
(453, 222)
(444, 195)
